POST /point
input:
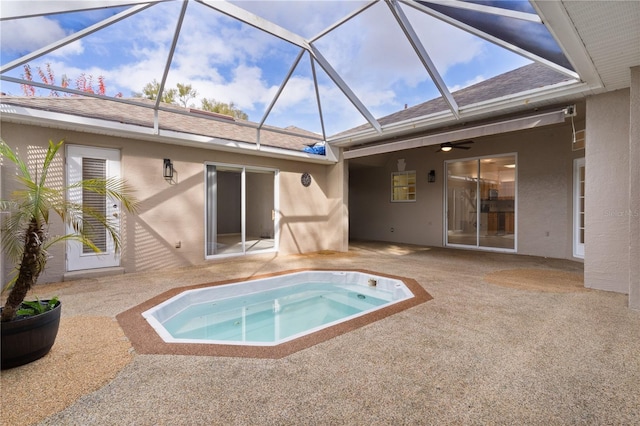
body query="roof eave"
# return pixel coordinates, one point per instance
(492, 108)
(42, 118)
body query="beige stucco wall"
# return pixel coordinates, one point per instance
(312, 218)
(545, 191)
(634, 190)
(607, 208)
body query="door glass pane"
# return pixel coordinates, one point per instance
(93, 168)
(229, 211)
(260, 232)
(497, 202)
(462, 182)
(240, 214)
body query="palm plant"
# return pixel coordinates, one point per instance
(28, 215)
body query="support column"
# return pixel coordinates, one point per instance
(607, 240)
(634, 191)
(338, 194)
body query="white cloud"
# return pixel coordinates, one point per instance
(375, 58)
(305, 18)
(232, 62)
(22, 36)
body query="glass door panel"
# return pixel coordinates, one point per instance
(240, 210)
(462, 214)
(229, 211)
(497, 203)
(260, 211)
(481, 200)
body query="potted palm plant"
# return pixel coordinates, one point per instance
(29, 328)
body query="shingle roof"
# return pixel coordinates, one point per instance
(522, 79)
(230, 129)
(526, 78)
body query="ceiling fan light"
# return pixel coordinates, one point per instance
(446, 148)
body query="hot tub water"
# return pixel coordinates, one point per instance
(272, 310)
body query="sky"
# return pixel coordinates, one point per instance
(229, 61)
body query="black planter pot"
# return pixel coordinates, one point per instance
(27, 339)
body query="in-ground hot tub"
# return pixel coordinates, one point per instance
(273, 310)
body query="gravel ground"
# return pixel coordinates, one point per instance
(506, 340)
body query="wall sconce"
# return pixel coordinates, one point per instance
(167, 170)
(431, 177)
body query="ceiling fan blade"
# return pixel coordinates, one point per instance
(462, 147)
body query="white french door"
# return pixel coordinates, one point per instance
(86, 163)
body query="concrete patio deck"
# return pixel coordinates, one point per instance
(506, 340)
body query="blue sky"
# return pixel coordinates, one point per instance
(233, 62)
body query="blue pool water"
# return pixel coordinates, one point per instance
(272, 310)
(272, 315)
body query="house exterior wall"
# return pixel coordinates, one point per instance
(607, 209)
(312, 218)
(634, 191)
(545, 191)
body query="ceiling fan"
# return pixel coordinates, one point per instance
(448, 146)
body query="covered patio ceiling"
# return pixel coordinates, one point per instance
(321, 66)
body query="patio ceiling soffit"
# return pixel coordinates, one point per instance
(504, 126)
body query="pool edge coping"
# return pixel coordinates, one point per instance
(145, 340)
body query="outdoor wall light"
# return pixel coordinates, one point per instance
(431, 177)
(167, 170)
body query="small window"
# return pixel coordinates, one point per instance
(403, 186)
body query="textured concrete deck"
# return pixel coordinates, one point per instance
(506, 340)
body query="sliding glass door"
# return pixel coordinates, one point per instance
(240, 209)
(480, 203)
